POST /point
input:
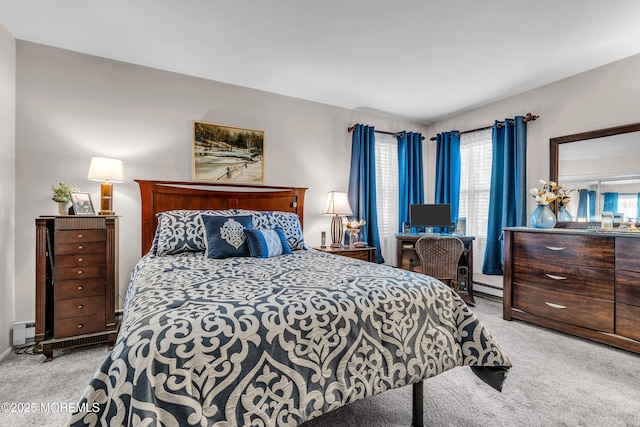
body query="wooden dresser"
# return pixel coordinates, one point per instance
(76, 281)
(581, 282)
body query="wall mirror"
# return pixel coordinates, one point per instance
(602, 168)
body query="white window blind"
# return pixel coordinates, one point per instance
(387, 194)
(475, 183)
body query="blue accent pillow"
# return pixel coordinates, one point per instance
(225, 236)
(288, 222)
(267, 243)
(182, 231)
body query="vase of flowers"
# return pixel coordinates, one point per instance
(563, 199)
(62, 195)
(353, 226)
(543, 216)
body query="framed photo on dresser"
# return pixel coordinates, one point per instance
(82, 204)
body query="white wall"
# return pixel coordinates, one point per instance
(72, 106)
(604, 97)
(7, 183)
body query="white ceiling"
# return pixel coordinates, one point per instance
(416, 59)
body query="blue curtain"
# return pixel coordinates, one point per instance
(583, 205)
(448, 171)
(587, 205)
(507, 195)
(610, 202)
(410, 174)
(362, 184)
(592, 204)
(638, 207)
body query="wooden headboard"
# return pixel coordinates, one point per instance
(160, 196)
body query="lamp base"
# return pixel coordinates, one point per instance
(337, 232)
(106, 198)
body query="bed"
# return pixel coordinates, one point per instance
(215, 337)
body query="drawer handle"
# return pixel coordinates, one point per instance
(555, 248)
(80, 326)
(80, 307)
(554, 277)
(80, 236)
(80, 259)
(80, 247)
(79, 271)
(552, 305)
(80, 288)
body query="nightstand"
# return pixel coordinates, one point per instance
(76, 281)
(366, 254)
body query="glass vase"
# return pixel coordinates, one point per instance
(353, 237)
(542, 217)
(564, 215)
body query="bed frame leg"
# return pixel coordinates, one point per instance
(418, 410)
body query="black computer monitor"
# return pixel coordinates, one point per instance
(430, 215)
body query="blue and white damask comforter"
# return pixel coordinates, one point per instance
(276, 341)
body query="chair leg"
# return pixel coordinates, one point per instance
(454, 285)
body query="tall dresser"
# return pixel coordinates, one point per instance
(76, 281)
(582, 282)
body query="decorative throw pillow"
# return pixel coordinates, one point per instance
(289, 222)
(225, 235)
(181, 231)
(267, 243)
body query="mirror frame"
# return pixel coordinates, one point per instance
(554, 148)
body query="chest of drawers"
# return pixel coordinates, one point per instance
(580, 282)
(76, 274)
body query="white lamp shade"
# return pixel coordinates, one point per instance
(337, 204)
(106, 169)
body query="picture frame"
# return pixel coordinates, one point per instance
(82, 204)
(223, 153)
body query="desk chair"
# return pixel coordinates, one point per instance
(439, 257)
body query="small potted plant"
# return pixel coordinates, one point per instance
(61, 194)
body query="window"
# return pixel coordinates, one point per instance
(475, 183)
(628, 203)
(387, 195)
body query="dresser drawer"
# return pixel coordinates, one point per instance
(628, 253)
(76, 307)
(80, 236)
(80, 272)
(66, 289)
(565, 249)
(80, 248)
(627, 317)
(363, 255)
(80, 260)
(589, 313)
(579, 280)
(79, 325)
(628, 288)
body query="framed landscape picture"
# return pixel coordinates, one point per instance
(226, 153)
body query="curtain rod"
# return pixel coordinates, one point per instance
(528, 118)
(396, 134)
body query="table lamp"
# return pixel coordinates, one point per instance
(107, 171)
(337, 204)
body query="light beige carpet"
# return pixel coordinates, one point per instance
(556, 380)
